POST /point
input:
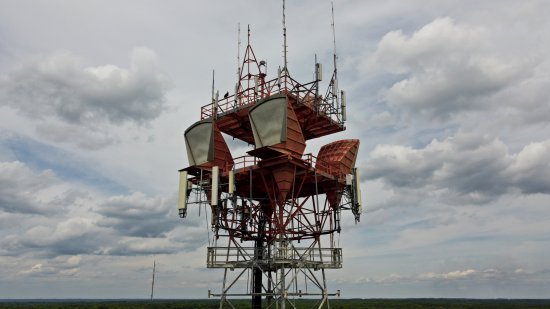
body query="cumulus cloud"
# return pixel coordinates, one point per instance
(39, 269)
(484, 275)
(24, 191)
(60, 87)
(140, 246)
(471, 165)
(429, 276)
(138, 215)
(445, 68)
(76, 235)
(60, 266)
(67, 221)
(469, 69)
(471, 275)
(90, 235)
(458, 274)
(530, 168)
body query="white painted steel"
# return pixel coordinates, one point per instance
(215, 185)
(231, 188)
(343, 103)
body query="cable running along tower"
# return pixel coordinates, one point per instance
(275, 212)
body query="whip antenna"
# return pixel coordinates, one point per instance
(334, 57)
(285, 68)
(238, 52)
(213, 72)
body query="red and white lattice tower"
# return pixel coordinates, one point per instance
(274, 212)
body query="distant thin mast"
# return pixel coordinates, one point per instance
(153, 282)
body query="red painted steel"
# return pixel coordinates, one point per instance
(279, 196)
(277, 186)
(338, 158)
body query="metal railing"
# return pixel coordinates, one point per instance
(246, 161)
(243, 257)
(304, 93)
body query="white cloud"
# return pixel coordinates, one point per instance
(531, 167)
(69, 222)
(447, 68)
(54, 268)
(74, 235)
(74, 260)
(24, 191)
(452, 67)
(72, 101)
(473, 166)
(39, 269)
(382, 119)
(458, 274)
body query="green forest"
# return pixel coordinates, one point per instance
(302, 303)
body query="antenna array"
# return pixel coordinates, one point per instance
(275, 212)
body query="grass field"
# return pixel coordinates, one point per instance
(303, 303)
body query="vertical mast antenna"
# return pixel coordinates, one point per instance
(213, 71)
(333, 41)
(238, 52)
(284, 39)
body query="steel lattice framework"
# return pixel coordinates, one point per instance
(274, 212)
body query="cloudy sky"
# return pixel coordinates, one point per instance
(451, 101)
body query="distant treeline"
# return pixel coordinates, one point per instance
(301, 303)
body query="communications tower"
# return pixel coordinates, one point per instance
(274, 213)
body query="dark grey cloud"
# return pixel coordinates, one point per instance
(467, 164)
(51, 238)
(138, 215)
(184, 237)
(89, 236)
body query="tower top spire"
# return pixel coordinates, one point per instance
(285, 68)
(334, 56)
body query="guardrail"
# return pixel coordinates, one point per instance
(243, 257)
(305, 94)
(246, 161)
